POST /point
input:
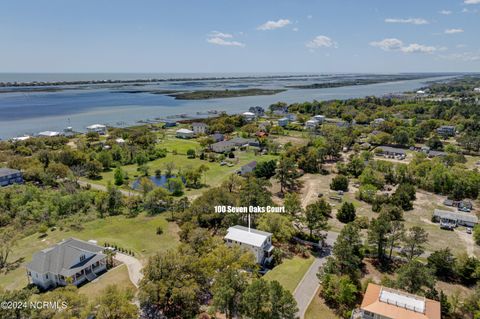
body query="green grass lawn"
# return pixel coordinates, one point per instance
(318, 310)
(136, 234)
(213, 177)
(117, 276)
(290, 272)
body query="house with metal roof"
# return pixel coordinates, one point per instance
(382, 302)
(249, 116)
(446, 130)
(184, 133)
(70, 261)
(257, 241)
(248, 168)
(10, 176)
(391, 152)
(450, 220)
(97, 128)
(311, 124)
(227, 146)
(222, 146)
(49, 134)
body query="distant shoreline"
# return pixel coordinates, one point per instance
(133, 81)
(366, 76)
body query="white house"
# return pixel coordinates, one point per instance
(283, 122)
(70, 261)
(184, 133)
(199, 128)
(311, 124)
(258, 242)
(249, 116)
(476, 90)
(20, 138)
(49, 134)
(98, 128)
(319, 118)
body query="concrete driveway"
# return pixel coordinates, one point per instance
(134, 267)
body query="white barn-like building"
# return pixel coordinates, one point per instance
(257, 241)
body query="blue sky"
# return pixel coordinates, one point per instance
(239, 36)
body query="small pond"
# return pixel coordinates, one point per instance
(157, 180)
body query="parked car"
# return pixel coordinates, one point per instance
(469, 230)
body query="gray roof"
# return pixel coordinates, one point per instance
(238, 141)
(437, 153)
(224, 144)
(252, 164)
(8, 171)
(63, 257)
(467, 217)
(392, 149)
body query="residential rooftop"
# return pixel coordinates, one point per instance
(468, 217)
(8, 172)
(245, 235)
(396, 304)
(63, 257)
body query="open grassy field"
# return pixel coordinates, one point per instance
(424, 205)
(290, 272)
(136, 234)
(458, 241)
(117, 276)
(318, 310)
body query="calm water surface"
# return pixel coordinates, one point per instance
(30, 113)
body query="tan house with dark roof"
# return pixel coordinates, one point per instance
(385, 303)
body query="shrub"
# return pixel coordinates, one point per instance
(191, 153)
(159, 230)
(346, 213)
(339, 183)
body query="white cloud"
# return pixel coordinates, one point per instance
(417, 21)
(295, 29)
(321, 41)
(445, 12)
(393, 44)
(418, 48)
(388, 44)
(309, 16)
(223, 42)
(471, 1)
(272, 25)
(453, 31)
(218, 34)
(223, 39)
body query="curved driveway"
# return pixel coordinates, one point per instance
(134, 267)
